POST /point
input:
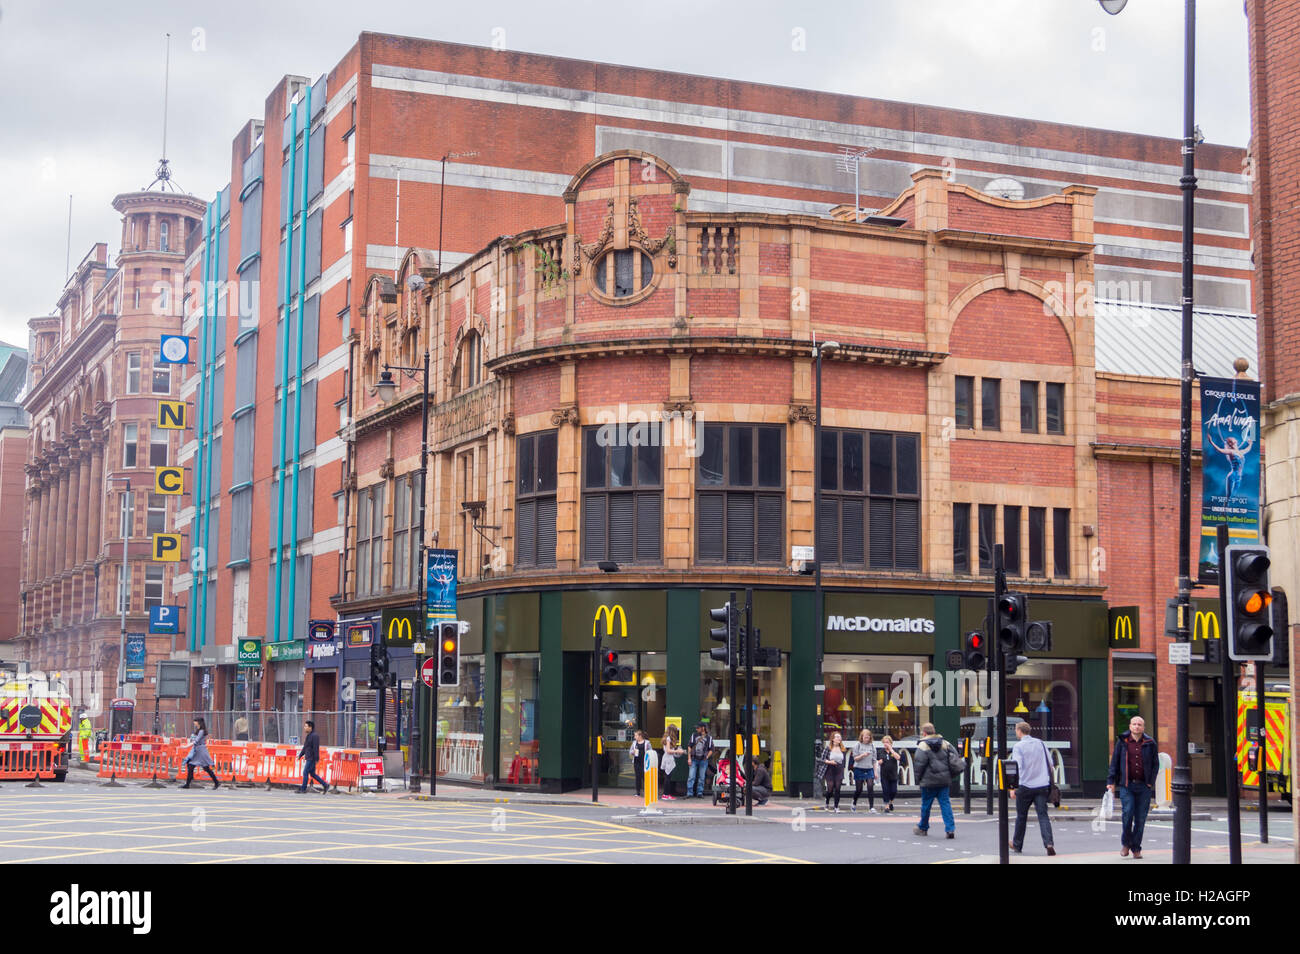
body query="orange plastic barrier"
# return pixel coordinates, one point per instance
(28, 759)
(134, 760)
(345, 768)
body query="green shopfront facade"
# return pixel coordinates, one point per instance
(522, 716)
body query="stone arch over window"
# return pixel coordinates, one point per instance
(1056, 320)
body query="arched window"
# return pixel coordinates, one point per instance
(469, 363)
(164, 237)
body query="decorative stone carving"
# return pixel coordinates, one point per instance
(508, 425)
(680, 407)
(593, 249)
(564, 415)
(350, 481)
(802, 412)
(639, 234)
(386, 469)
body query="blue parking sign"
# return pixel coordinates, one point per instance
(165, 620)
(174, 349)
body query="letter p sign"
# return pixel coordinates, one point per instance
(167, 547)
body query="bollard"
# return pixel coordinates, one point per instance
(651, 783)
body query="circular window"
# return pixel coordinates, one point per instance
(623, 273)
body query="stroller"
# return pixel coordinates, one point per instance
(722, 783)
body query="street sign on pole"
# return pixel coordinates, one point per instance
(426, 672)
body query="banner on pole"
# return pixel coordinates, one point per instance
(440, 586)
(1229, 466)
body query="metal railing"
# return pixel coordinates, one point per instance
(348, 729)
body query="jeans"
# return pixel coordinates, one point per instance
(1037, 798)
(695, 778)
(1136, 799)
(928, 795)
(309, 771)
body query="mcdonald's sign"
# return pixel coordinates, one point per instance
(1125, 627)
(1203, 623)
(611, 614)
(400, 627)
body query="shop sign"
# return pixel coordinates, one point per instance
(320, 630)
(287, 651)
(1124, 627)
(877, 624)
(250, 652)
(361, 634)
(372, 767)
(400, 627)
(324, 650)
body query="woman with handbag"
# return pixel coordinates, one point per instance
(1035, 787)
(672, 749)
(890, 759)
(199, 755)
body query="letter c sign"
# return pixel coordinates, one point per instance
(168, 480)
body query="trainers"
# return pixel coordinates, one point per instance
(837, 810)
(1012, 846)
(854, 809)
(950, 834)
(872, 811)
(918, 830)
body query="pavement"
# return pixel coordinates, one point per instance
(82, 821)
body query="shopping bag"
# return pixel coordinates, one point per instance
(1108, 805)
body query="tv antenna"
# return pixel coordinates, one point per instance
(163, 174)
(850, 160)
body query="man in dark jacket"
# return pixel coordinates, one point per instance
(935, 764)
(1133, 766)
(310, 755)
(762, 784)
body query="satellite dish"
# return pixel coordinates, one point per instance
(1005, 189)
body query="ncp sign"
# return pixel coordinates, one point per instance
(613, 616)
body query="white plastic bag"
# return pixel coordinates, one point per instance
(1108, 805)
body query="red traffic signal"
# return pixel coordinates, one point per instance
(975, 655)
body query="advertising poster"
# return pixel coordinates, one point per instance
(440, 598)
(135, 655)
(1229, 466)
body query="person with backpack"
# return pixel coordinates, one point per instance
(1034, 764)
(890, 758)
(697, 758)
(936, 764)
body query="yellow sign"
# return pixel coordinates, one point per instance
(778, 773)
(402, 627)
(171, 415)
(611, 614)
(1124, 632)
(169, 480)
(167, 547)
(673, 722)
(1204, 622)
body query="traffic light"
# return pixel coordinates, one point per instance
(449, 654)
(975, 656)
(609, 666)
(1249, 599)
(1281, 629)
(1013, 620)
(728, 614)
(378, 666)
(1038, 636)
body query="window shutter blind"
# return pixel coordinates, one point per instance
(907, 534)
(526, 533)
(593, 528)
(852, 529)
(708, 526)
(649, 527)
(622, 528)
(882, 534)
(771, 531)
(740, 528)
(828, 537)
(546, 531)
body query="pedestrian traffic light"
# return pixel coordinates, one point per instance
(609, 666)
(1013, 620)
(728, 614)
(1249, 601)
(378, 666)
(1038, 636)
(975, 656)
(449, 654)
(1281, 629)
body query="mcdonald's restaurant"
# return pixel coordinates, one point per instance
(1144, 686)
(521, 716)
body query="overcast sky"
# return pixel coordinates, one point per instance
(81, 82)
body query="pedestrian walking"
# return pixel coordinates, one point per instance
(640, 745)
(672, 750)
(310, 755)
(761, 785)
(1034, 765)
(936, 764)
(241, 729)
(835, 757)
(890, 758)
(1133, 767)
(697, 759)
(199, 756)
(864, 770)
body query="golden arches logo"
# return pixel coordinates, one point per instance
(611, 614)
(1203, 623)
(1123, 631)
(404, 632)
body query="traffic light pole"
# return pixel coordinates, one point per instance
(991, 664)
(731, 666)
(750, 646)
(999, 588)
(595, 718)
(1229, 697)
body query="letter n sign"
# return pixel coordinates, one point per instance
(167, 547)
(171, 415)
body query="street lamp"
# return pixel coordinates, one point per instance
(123, 590)
(1182, 784)
(386, 388)
(819, 635)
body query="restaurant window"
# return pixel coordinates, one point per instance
(1060, 542)
(1055, 408)
(1011, 540)
(961, 538)
(1037, 539)
(460, 724)
(964, 405)
(622, 499)
(771, 709)
(535, 459)
(520, 741)
(740, 505)
(870, 692)
(1029, 407)
(870, 513)
(988, 515)
(991, 404)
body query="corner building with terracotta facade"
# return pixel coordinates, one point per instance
(352, 162)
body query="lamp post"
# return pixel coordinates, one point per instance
(819, 617)
(1182, 784)
(387, 390)
(123, 590)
